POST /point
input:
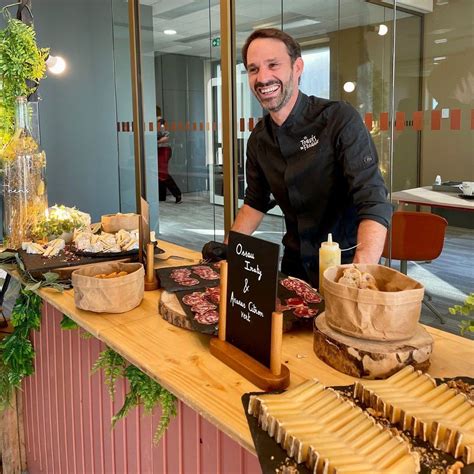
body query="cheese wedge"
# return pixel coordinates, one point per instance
(315, 425)
(439, 414)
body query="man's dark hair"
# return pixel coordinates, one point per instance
(292, 46)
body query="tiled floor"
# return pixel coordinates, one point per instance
(449, 278)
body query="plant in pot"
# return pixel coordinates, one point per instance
(60, 221)
(22, 66)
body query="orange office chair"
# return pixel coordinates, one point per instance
(416, 236)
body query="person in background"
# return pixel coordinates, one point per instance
(165, 180)
(316, 158)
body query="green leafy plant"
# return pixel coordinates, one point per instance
(60, 219)
(145, 391)
(465, 310)
(113, 366)
(68, 324)
(20, 61)
(11, 261)
(16, 351)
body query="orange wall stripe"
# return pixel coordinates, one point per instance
(472, 119)
(214, 126)
(150, 126)
(242, 124)
(188, 126)
(195, 126)
(436, 120)
(251, 123)
(201, 126)
(400, 121)
(173, 126)
(455, 116)
(180, 126)
(383, 120)
(368, 120)
(418, 120)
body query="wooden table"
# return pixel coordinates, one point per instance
(185, 366)
(180, 359)
(425, 196)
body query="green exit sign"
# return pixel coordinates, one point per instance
(216, 42)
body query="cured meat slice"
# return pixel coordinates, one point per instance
(293, 302)
(209, 317)
(203, 307)
(289, 283)
(305, 312)
(193, 298)
(210, 276)
(188, 282)
(213, 294)
(181, 271)
(310, 296)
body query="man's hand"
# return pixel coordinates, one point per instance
(247, 221)
(370, 239)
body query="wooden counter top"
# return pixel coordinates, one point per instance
(180, 359)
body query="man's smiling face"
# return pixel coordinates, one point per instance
(272, 77)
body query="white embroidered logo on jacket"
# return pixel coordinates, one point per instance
(307, 143)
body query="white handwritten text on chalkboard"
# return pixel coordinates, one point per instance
(252, 307)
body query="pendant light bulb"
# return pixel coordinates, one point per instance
(56, 64)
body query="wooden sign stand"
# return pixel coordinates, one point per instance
(275, 378)
(151, 282)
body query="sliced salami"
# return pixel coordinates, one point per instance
(289, 283)
(293, 302)
(203, 307)
(305, 312)
(213, 294)
(210, 276)
(310, 296)
(193, 298)
(188, 282)
(209, 317)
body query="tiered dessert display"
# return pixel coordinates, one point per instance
(370, 326)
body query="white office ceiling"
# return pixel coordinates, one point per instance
(197, 21)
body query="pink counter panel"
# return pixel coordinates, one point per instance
(67, 414)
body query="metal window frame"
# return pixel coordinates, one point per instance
(229, 130)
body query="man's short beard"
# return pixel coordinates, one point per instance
(286, 96)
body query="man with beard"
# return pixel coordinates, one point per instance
(315, 157)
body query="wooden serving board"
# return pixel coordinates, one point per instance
(370, 359)
(171, 310)
(63, 263)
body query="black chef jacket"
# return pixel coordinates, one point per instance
(321, 166)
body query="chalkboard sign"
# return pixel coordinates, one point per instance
(251, 294)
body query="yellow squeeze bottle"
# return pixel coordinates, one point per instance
(329, 255)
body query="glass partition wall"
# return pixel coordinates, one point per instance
(433, 137)
(180, 43)
(405, 69)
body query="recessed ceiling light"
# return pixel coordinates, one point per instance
(441, 40)
(169, 32)
(439, 58)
